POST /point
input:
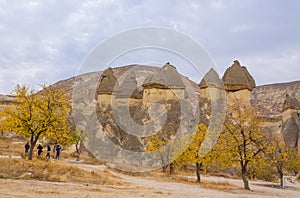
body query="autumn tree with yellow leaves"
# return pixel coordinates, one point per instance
(241, 140)
(181, 151)
(38, 114)
(158, 143)
(191, 154)
(281, 157)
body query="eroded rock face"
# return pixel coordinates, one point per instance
(211, 79)
(291, 122)
(238, 78)
(290, 103)
(128, 87)
(269, 99)
(165, 77)
(290, 131)
(211, 92)
(108, 83)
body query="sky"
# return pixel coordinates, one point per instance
(46, 41)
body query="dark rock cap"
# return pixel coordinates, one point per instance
(108, 83)
(165, 77)
(211, 79)
(238, 78)
(290, 103)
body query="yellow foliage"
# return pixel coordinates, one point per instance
(38, 115)
(281, 156)
(242, 138)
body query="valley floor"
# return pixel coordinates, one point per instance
(141, 186)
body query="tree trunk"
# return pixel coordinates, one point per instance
(244, 177)
(198, 168)
(78, 152)
(171, 168)
(281, 180)
(280, 172)
(33, 142)
(31, 148)
(164, 168)
(164, 165)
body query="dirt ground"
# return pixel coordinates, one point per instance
(152, 186)
(140, 187)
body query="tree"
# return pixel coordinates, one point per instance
(282, 157)
(157, 143)
(242, 138)
(78, 136)
(168, 150)
(38, 114)
(191, 154)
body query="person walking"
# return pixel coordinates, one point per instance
(48, 151)
(58, 148)
(40, 149)
(27, 147)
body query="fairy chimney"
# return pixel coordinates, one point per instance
(238, 84)
(107, 88)
(164, 84)
(211, 85)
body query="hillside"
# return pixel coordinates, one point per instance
(269, 98)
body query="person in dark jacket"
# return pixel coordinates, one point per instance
(58, 148)
(48, 151)
(40, 149)
(27, 147)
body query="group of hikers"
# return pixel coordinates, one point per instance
(40, 148)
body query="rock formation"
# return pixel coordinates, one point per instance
(151, 84)
(107, 88)
(165, 84)
(238, 84)
(211, 93)
(129, 93)
(291, 122)
(211, 85)
(269, 99)
(238, 78)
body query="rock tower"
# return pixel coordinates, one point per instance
(238, 84)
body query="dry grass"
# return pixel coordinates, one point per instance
(53, 171)
(11, 146)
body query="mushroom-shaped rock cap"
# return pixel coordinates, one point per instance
(165, 77)
(238, 78)
(290, 102)
(128, 86)
(211, 79)
(108, 83)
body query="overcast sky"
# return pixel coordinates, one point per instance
(46, 41)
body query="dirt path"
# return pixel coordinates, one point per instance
(176, 189)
